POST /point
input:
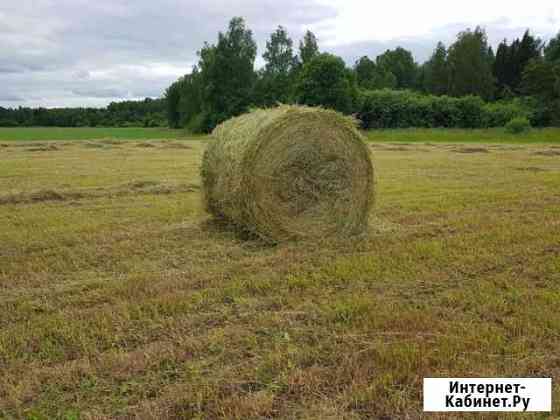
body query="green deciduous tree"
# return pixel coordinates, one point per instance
(276, 78)
(401, 64)
(172, 98)
(308, 47)
(366, 71)
(325, 81)
(279, 54)
(190, 104)
(371, 76)
(227, 73)
(470, 65)
(552, 50)
(436, 72)
(540, 79)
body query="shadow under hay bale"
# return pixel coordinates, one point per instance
(223, 228)
(289, 173)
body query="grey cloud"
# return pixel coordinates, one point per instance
(41, 40)
(82, 75)
(100, 93)
(10, 98)
(19, 67)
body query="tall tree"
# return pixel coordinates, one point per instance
(529, 48)
(401, 64)
(371, 76)
(540, 79)
(308, 47)
(366, 73)
(511, 60)
(172, 97)
(279, 54)
(552, 50)
(325, 81)
(190, 103)
(227, 73)
(436, 72)
(274, 84)
(502, 68)
(470, 70)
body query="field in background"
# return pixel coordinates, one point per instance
(119, 297)
(446, 135)
(422, 135)
(89, 133)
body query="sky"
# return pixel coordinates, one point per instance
(56, 53)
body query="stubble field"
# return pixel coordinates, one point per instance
(120, 298)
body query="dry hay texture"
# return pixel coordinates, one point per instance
(290, 172)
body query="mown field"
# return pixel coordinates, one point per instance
(120, 298)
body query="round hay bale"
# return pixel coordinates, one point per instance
(290, 172)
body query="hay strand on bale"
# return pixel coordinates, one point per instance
(290, 172)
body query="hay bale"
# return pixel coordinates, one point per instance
(289, 173)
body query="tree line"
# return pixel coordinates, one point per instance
(464, 85)
(146, 113)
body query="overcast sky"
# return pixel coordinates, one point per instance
(92, 52)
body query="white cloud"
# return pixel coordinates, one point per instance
(371, 21)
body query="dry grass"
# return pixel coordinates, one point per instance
(137, 306)
(46, 148)
(131, 188)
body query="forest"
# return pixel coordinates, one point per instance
(464, 85)
(146, 113)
